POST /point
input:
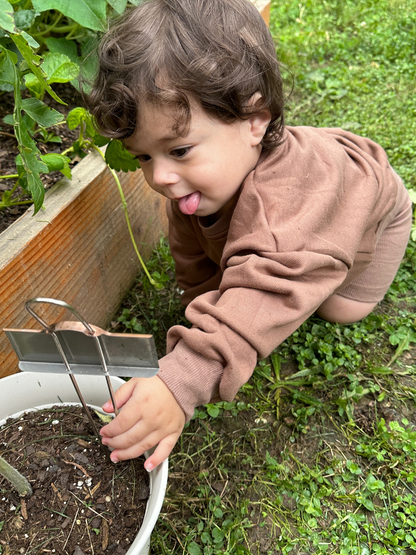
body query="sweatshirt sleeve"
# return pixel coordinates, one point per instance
(292, 243)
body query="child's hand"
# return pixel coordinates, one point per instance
(150, 416)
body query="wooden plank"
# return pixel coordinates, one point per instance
(264, 8)
(77, 249)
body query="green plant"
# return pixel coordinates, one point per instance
(21, 66)
(33, 56)
(30, 163)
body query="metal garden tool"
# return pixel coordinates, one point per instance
(79, 348)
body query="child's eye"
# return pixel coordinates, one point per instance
(142, 158)
(180, 152)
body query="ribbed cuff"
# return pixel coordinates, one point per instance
(192, 379)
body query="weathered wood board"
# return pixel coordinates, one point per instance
(264, 8)
(77, 250)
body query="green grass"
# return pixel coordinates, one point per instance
(317, 453)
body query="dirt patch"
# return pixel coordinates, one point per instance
(82, 503)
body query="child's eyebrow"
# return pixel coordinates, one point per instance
(168, 138)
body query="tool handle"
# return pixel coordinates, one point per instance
(57, 302)
(78, 326)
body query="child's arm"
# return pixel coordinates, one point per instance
(150, 416)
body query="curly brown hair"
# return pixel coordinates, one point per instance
(218, 52)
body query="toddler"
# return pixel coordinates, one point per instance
(267, 223)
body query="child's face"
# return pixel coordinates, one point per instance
(203, 171)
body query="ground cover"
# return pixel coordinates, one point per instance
(317, 452)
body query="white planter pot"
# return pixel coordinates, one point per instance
(24, 391)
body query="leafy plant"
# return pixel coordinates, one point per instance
(21, 66)
(30, 163)
(32, 58)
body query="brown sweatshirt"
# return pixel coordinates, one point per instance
(304, 224)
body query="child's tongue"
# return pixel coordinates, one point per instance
(189, 205)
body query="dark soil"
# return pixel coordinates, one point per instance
(82, 503)
(9, 150)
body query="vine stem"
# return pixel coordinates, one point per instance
(124, 204)
(9, 176)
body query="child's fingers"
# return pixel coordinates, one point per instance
(127, 419)
(121, 396)
(162, 451)
(133, 435)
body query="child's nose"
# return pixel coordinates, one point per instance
(163, 175)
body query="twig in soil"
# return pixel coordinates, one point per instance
(89, 536)
(104, 542)
(55, 489)
(78, 466)
(94, 489)
(72, 527)
(23, 509)
(85, 505)
(31, 541)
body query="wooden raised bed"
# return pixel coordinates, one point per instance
(264, 8)
(78, 249)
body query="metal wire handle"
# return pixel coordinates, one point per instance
(90, 331)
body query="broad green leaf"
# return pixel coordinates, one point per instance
(30, 40)
(8, 59)
(54, 139)
(78, 115)
(42, 114)
(99, 140)
(33, 84)
(6, 16)
(194, 549)
(28, 122)
(29, 151)
(59, 68)
(31, 163)
(24, 18)
(9, 119)
(368, 504)
(75, 117)
(88, 65)
(90, 14)
(36, 189)
(118, 5)
(33, 61)
(57, 162)
(120, 159)
(213, 410)
(63, 46)
(19, 165)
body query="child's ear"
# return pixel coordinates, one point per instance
(258, 120)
